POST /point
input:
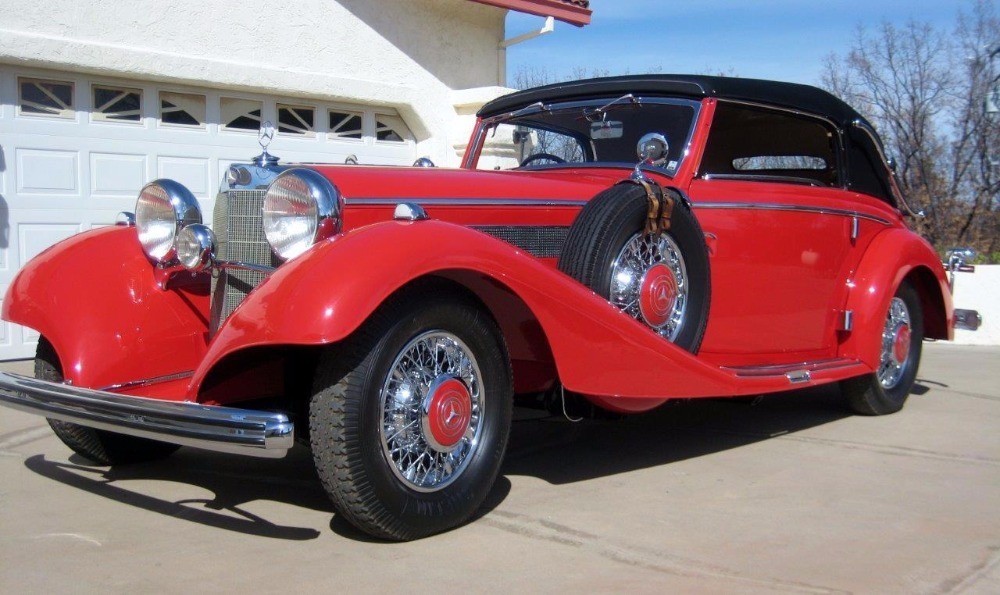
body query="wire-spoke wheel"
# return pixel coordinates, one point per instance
(410, 415)
(885, 390)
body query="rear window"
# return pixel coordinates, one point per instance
(753, 143)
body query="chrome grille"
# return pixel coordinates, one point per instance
(542, 241)
(240, 238)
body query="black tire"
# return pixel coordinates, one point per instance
(866, 394)
(608, 222)
(347, 419)
(100, 446)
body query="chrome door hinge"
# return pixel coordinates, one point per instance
(855, 227)
(846, 322)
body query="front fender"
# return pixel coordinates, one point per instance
(324, 295)
(893, 256)
(96, 299)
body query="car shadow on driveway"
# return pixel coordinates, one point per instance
(560, 452)
(554, 450)
(234, 482)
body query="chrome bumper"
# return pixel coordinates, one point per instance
(968, 320)
(223, 429)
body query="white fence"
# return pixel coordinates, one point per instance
(980, 291)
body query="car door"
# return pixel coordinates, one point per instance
(783, 235)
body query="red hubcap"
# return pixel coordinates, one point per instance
(658, 295)
(449, 412)
(901, 344)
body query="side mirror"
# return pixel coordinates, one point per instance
(958, 261)
(959, 257)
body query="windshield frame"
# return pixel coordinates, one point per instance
(486, 125)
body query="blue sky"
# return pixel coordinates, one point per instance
(773, 39)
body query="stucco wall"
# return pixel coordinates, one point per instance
(410, 55)
(980, 291)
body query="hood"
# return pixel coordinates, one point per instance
(360, 184)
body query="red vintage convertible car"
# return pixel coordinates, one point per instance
(389, 317)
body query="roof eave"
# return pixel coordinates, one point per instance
(568, 13)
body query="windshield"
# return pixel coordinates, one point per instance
(597, 132)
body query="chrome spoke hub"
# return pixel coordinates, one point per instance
(895, 344)
(432, 404)
(649, 282)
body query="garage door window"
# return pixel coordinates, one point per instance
(296, 119)
(117, 104)
(182, 109)
(346, 125)
(38, 97)
(241, 114)
(391, 129)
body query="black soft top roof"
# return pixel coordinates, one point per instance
(866, 167)
(790, 95)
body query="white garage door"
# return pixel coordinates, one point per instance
(75, 150)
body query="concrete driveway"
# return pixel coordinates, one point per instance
(789, 495)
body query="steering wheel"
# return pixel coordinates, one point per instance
(540, 156)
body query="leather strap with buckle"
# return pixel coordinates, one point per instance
(660, 203)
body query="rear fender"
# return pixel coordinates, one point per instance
(324, 295)
(894, 256)
(95, 298)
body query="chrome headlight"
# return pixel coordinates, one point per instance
(196, 247)
(301, 207)
(164, 208)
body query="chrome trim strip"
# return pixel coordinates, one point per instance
(764, 178)
(222, 429)
(243, 266)
(785, 369)
(796, 208)
(147, 381)
(467, 202)
(787, 110)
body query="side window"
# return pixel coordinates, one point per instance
(750, 143)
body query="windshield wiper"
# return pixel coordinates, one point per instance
(601, 112)
(538, 105)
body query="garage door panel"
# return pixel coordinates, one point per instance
(191, 172)
(48, 172)
(116, 175)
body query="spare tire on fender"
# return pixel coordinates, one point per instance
(662, 281)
